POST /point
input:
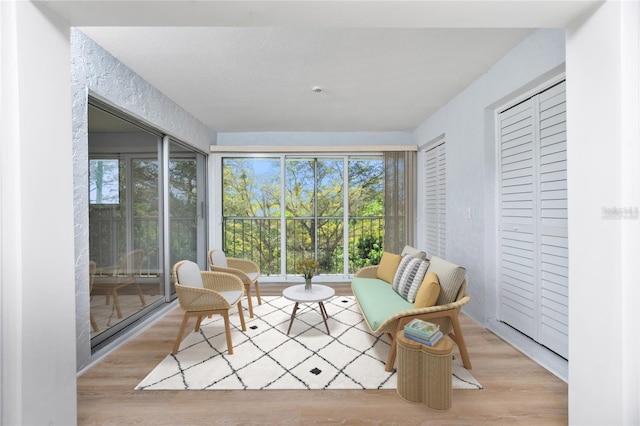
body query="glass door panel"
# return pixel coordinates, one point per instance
(366, 212)
(251, 211)
(187, 212)
(300, 210)
(330, 214)
(124, 223)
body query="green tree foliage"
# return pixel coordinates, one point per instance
(366, 251)
(183, 209)
(251, 189)
(366, 200)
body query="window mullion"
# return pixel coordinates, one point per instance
(283, 218)
(315, 207)
(345, 218)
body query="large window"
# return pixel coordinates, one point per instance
(277, 210)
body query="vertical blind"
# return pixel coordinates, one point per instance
(400, 199)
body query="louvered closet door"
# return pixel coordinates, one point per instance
(435, 201)
(518, 293)
(533, 225)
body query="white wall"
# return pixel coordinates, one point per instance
(314, 138)
(467, 123)
(603, 156)
(36, 211)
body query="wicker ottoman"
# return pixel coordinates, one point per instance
(424, 372)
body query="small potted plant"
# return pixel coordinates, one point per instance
(308, 268)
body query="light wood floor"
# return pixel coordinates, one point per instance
(516, 391)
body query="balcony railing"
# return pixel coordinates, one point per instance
(259, 239)
(255, 238)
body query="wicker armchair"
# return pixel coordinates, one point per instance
(247, 270)
(446, 316)
(203, 293)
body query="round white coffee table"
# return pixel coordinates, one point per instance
(318, 293)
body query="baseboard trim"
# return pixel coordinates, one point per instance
(546, 358)
(129, 333)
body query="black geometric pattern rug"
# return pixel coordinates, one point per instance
(265, 357)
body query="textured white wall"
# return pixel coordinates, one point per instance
(96, 71)
(467, 123)
(603, 62)
(37, 268)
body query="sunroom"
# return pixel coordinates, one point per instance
(598, 45)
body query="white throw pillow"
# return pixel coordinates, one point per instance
(451, 277)
(408, 250)
(189, 274)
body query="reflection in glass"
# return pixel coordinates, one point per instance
(104, 182)
(133, 239)
(124, 223)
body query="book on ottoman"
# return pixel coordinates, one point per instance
(427, 342)
(422, 329)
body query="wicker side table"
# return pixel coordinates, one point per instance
(424, 372)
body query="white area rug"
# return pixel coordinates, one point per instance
(265, 357)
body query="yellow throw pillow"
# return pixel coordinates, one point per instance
(428, 292)
(388, 266)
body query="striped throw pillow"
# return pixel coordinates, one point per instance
(409, 276)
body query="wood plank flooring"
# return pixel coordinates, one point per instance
(516, 391)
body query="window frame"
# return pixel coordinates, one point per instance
(283, 156)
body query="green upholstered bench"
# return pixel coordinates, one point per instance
(386, 311)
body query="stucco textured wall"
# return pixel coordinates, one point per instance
(95, 71)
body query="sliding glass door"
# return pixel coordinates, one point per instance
(315, 206)
(251, 206)
(131, 179)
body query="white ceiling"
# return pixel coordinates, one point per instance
(251, 65)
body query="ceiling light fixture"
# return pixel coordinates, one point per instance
(317, 89)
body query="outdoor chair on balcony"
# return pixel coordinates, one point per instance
(204, 293)
(247, 270)
(110, 279)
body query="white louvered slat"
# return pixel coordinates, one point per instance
(435, 200)
(442, 201)
(517, 267)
